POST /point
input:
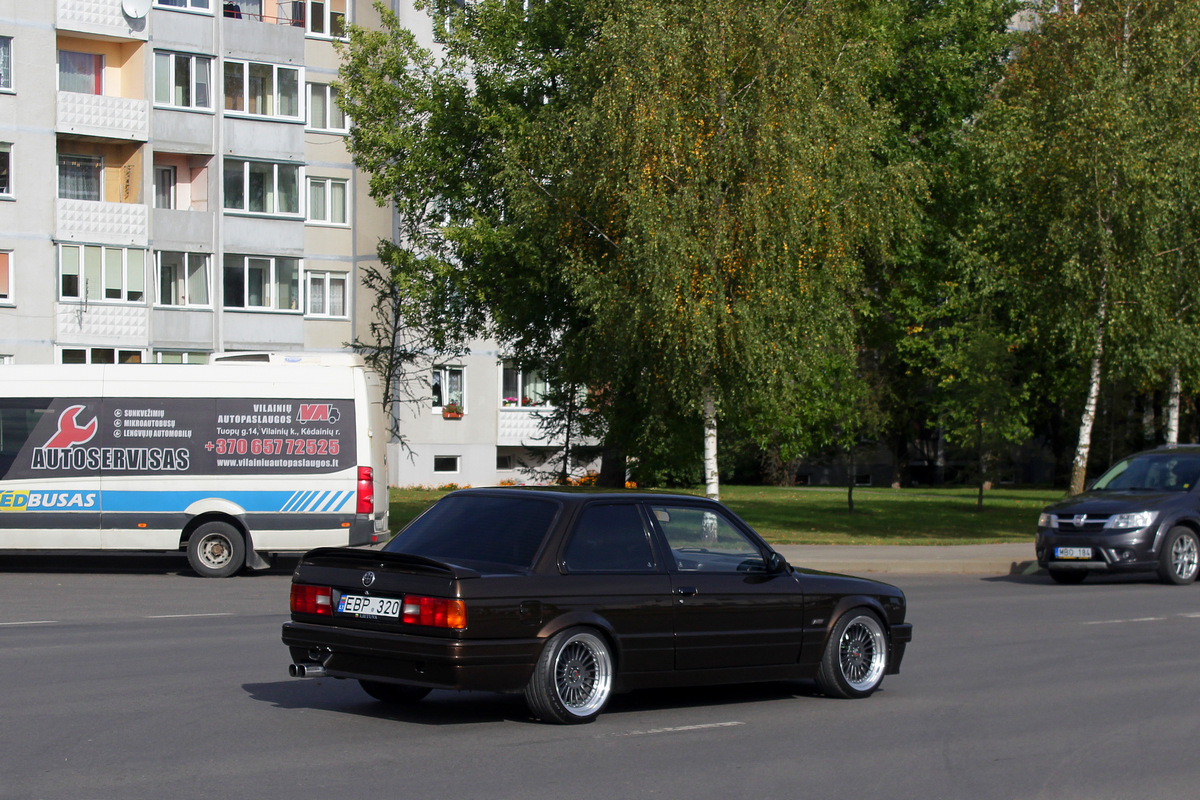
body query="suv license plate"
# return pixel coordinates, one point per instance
(1072, 552)
(374, 606)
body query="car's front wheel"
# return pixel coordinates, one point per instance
(1180, 558)
(573, 679)
(855, 657)
(393, 693)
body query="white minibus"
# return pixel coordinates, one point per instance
(232, 461)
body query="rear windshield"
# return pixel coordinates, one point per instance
(477, 529)
(1165, 472)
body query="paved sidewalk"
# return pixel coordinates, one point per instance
(980, 559)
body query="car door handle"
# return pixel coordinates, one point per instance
(687, 591)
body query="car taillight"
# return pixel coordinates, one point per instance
(366, 491)
(436, 612)
(312, 599)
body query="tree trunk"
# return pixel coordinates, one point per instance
(1172, 413)
(1079, 465)
(850, 480)
(712, 478)
(982, 461)
(1148, 433)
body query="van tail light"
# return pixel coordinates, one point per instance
(366, 491)
(312, 600)
(436, 612)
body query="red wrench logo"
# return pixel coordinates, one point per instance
(69, 431)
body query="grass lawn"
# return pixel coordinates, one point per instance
(818, 515)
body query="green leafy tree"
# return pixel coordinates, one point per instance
(1074, 149)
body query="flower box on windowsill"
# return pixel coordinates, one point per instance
(452, 411)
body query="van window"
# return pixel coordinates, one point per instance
(18, 418)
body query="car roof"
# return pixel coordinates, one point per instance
(1183, 449)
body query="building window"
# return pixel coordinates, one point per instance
(325, 17)
(448, 387)
(262, 282)
(80, 72)
(522, 387)
(79, 177)
(323, 111)
(6, 277)
(6, 76)
(263, 90)
(195, 5)
(327, 201)
(90, 272)
(178, 357)
(182, 279)
(326, 294)
(445, 463)
(164, 186)
(262, 187)
(5, 169)
(182, 80)
(99, 355)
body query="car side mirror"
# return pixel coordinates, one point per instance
(776, 563)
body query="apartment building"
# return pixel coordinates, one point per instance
(174, 180)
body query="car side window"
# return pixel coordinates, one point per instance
(609, 538)
(703, 540)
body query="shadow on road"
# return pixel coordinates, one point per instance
(472, 708)
(115, 563)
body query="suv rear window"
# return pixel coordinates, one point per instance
(468, 529)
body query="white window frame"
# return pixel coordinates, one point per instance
(97, 161)
(272, 194)
(7, 81)
(120, 277)
(172, 194)
(195, 6)
(522, 376)
(180, 357)
(172, 66)
(90, 353)
(276, 69)
(457, 465)
(186, 283)
(97, 78)
(328, 217)
(331, 282)
(440, 379)
(328, 95)
(272, 265)
(7, 278)
(327, 17)
(6, 169)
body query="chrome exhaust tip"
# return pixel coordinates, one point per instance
(306, 670)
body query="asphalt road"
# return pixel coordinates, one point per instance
(138, 680)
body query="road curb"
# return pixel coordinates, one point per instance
(983, 559)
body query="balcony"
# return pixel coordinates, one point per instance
(516, 426)
(103, 116)
(119, 224)
(99, 18)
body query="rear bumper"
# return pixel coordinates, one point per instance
(484, 665)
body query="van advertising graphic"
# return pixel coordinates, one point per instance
(79, 437)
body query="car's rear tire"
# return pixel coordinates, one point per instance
(573, 679)
(856, 654)
(1179, 560)
(216, 550)
(1068, 577)
(393, 693)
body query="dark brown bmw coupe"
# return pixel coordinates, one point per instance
(570, 597)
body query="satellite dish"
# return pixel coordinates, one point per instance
(135, 9)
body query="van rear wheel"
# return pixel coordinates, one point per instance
(216, 550)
